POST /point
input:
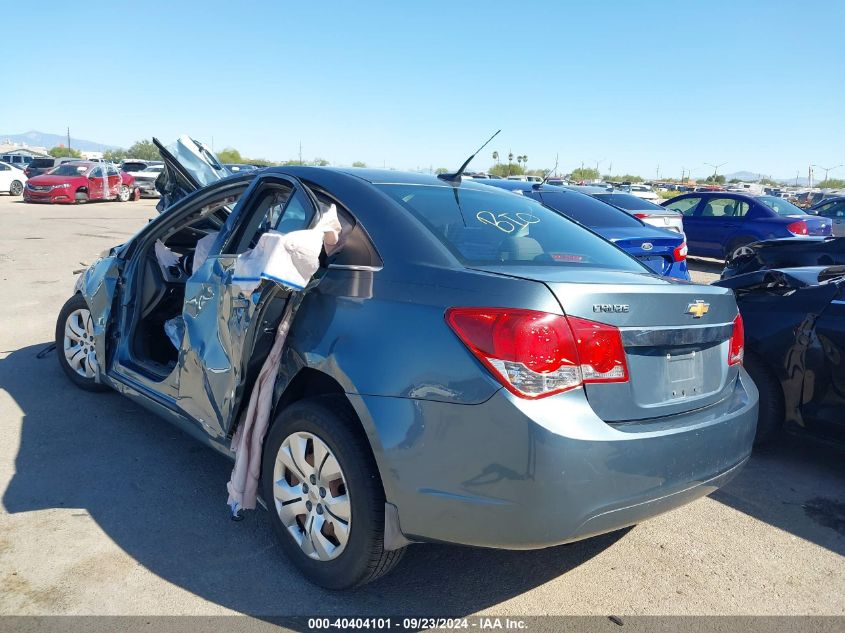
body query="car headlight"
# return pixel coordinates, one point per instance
(62, 186)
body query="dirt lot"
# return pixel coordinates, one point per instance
(105, 509)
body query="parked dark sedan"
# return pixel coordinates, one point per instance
(795, 336)
(468, 366)
(834, 209)
(787, 253)
(664, 251)
(722, 224)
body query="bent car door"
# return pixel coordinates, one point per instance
(226, 331)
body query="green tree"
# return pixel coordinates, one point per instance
(359, 163)
(64, 152)
(441, 170)
(143, 150)
(719, 180)
(622, 178)
(505, 170)
(584, 173)
(734, 181)
(230, 155)
(832, 183)
(114, 155)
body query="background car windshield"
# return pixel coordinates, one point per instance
(780, 206)
(68, 170)
(588, 211)
(627, 201)
(481, 227)
(134, 166)
(41, 163)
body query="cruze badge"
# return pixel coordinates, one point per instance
(611, 307)
(698, 309)
(647, 246)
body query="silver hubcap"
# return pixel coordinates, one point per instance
(79, 343)
(16, 188)
(124, 193)
(742, 250)
(309, 490)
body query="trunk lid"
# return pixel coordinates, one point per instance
(815, 225)
(653, 248)
(677, 361)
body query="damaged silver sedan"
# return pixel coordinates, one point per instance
(463, 366)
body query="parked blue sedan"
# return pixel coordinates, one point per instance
(722, 224)
(662, 250)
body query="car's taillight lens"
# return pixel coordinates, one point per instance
(641, 215)
(737, 348)
(680, 252)
(797, 228)
(536, 354)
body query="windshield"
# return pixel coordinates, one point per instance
(588, 211)
(780, 206)
(68, 169)
(495, 227)
(629, 202)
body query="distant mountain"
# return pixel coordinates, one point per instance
(750, 176)
(41, 139)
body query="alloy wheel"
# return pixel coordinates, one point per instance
(79, 343)
(741, 251)
(311, 497)
(124, 194)
(15, 188)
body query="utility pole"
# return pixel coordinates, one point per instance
(810, 176)
(827, 170)
(300, 152)
(68, 140)
(658, 173)
(715, 168)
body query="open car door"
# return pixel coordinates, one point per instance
(188, 166)
(228, 333)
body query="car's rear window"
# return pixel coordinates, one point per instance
(41, 163)
(629, 202)
(495, 227)
(781, 206)
(134, 166)
(588, 211)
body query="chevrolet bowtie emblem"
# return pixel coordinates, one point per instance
(698, 309)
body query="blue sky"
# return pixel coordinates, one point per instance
(756, 85)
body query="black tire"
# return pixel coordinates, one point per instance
(81, 197)
(15, 188)
(735, 245)
(772, 407)
(76, 302)
(364, 559)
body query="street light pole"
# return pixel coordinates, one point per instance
(715, 168)
(827, 170)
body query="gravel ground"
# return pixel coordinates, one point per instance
(106, 509)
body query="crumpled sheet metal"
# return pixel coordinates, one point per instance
(97, 286)
(295, 258)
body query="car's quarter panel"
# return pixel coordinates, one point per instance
(522, 474)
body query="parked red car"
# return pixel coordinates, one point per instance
(80, 181)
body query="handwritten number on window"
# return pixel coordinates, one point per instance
(505, 222)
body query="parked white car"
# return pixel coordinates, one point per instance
(12, 179)
(642, 191)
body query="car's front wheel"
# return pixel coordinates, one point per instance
(16, 188)
(325, 495)
(75, 344)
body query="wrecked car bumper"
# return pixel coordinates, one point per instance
(520, 474)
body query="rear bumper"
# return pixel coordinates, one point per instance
(518, 474)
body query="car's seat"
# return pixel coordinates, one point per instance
(729, 210)
(708, 210)
(153, 287)
(520, 249)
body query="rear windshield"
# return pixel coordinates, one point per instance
(134, 166)
(780, 206)
(629, 202)
(69, 169)
(41, 163)
(588, 211)
(495, 227)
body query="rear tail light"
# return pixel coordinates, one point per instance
(737, 348)
(680, 252)
(797, 228)
(641, 215)
(537, 354)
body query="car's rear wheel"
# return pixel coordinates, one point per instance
(738, 248)
(124, 194)
(325, 495)
(16, 188)
(75, 345)
(771, 416)
(81, 197)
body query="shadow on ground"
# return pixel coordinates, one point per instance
(797, 484)
(160, 496)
